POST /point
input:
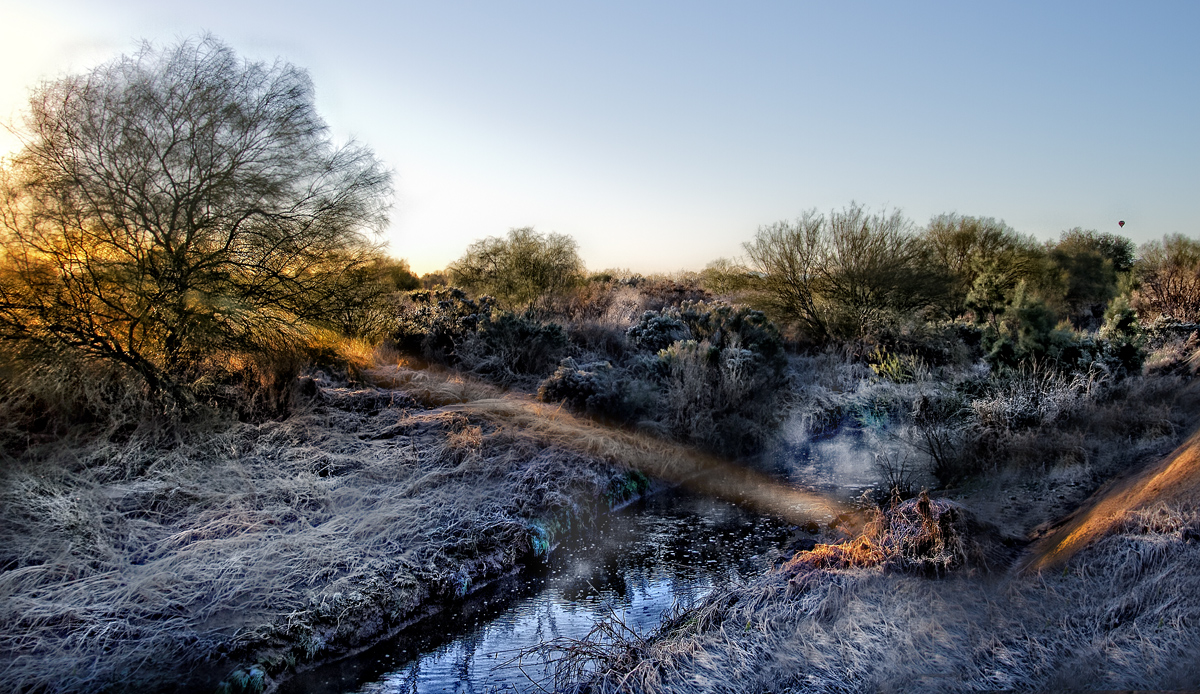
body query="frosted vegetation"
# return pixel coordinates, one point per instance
(237, 438)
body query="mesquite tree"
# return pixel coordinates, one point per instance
(180, 203)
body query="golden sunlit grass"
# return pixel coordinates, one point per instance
(922, 535)
(1173, 481)
(674, 463)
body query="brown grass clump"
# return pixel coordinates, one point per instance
(922, 535)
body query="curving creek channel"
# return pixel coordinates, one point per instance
(662, 552)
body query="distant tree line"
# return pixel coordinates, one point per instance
(182, 219)
(853, 274)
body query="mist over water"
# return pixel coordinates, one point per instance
(843, 463)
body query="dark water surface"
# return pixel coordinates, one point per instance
(670, 549)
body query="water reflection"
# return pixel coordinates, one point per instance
(667, 550)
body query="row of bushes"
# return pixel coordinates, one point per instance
(702, 372)
(948, 424)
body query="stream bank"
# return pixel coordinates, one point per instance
(662, 552)
(245, 549)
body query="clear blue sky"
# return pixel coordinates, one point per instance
(661, 135)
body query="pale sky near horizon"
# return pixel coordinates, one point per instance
(662, 134)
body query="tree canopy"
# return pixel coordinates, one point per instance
(520, 268)
(177, 203)
(843, 274)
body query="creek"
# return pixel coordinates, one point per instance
(662, 552)
(667, 550)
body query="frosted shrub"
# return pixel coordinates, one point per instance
(434, 322)
(656, 331)
(705, 373)
(594, 387)
(447, 326)
(1033, 398)
(507, 346)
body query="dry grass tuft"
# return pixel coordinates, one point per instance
(922, 535)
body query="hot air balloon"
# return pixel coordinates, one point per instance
(1121, 223)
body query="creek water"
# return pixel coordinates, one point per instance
(668, 550)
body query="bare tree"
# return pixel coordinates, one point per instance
(845, 274)
(176, 203)
(788, 259)
(1168, 274)
(877, 269)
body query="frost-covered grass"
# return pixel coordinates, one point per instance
(131, 565)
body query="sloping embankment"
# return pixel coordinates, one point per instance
(1173, 482)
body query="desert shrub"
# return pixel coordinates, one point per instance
(932, 343)
(1025, 331)
(705, 373)
(602, 337)
(725, 325)
(1171, 346)
(899, 368)
(659, 292)
(618, 298)
(656, 331)
(433, 322)
(446, 326)
(1124, 348)
(940, 424)
(595, 388)
(506, 346)
(1032, 397)
(1164, 330)
(723, 390)
(879, 405)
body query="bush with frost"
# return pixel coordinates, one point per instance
(710, 374)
